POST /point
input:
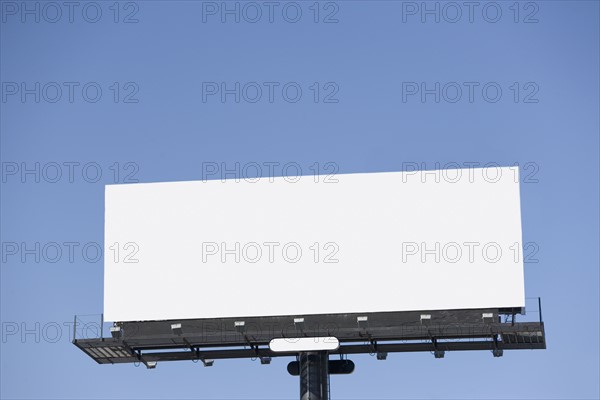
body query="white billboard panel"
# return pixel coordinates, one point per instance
(369, 242)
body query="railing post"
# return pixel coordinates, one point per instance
(75, 328)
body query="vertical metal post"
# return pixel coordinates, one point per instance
(314, 376)
(75, 328)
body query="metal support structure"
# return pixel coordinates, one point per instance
(441, 332)
(314, 375)
(207, 340)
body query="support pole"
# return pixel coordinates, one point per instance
(314, 376)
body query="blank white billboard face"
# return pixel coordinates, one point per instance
(398, 241)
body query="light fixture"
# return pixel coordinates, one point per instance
(498, 352)
(265, 360)
(240, 326)
(208, 363)
(115, 331)
(439, 353)
(487, 317)
(176, 328)
(299, 323)
(382, 355)
(151, 364)
(362, 321)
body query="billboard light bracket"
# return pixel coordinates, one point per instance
(497, 350)
(196, 351)
(249, 343)
(148, 364)
(188, 344)
(373, 346)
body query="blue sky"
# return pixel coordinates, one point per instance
(135, 100)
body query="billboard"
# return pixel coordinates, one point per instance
(351, 243)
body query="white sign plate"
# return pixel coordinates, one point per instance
(295, 345)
